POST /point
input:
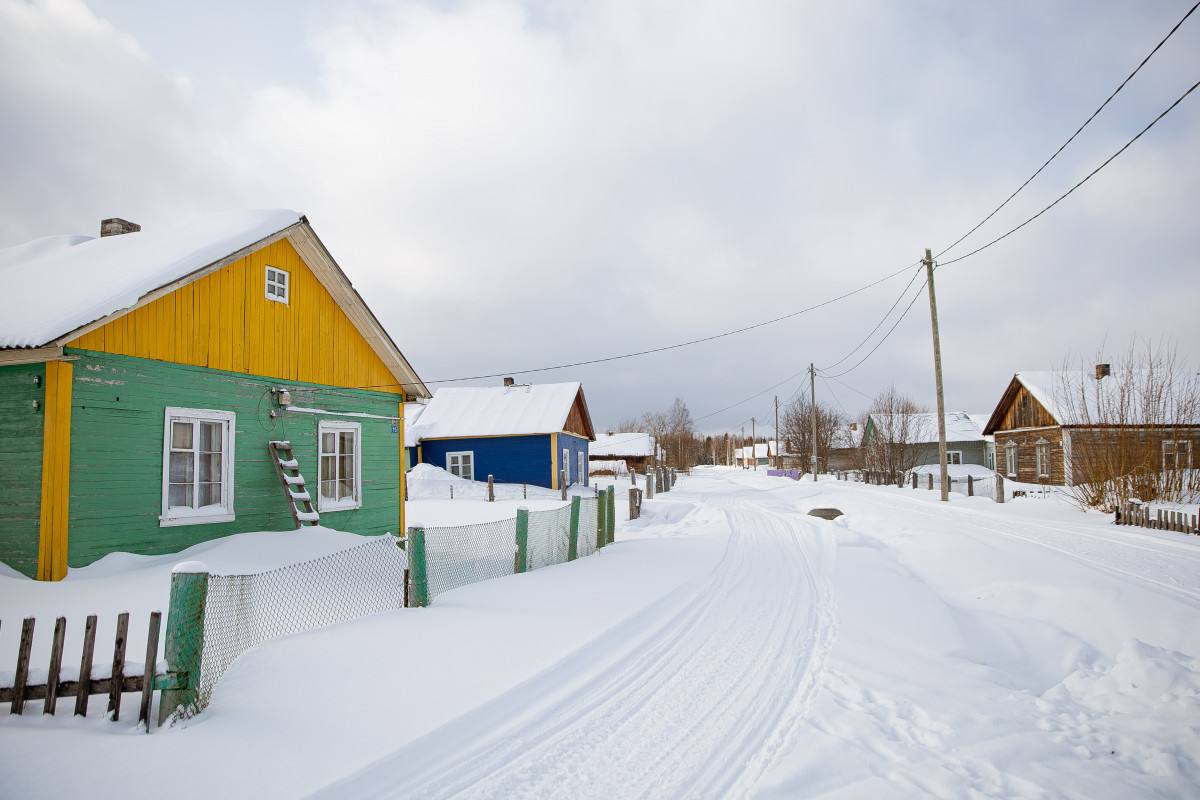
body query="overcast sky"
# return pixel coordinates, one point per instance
(512, 185)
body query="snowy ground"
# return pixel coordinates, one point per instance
(726, 645)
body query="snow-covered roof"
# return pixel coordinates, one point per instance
(55, 285)
(761, 450)
(923, 428)
(412, 414)
(633, 444)
(458, 412)
(1102, 398)
(848, 436)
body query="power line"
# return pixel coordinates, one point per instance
(1085, 179)
(663, 349)
(900, 319)
(751, 397)
(879, 324)
(1078, 130)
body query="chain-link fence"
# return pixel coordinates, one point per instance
(549, 537)
(241, 611)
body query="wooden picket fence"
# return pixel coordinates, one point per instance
(118, 683)
(1141, 515)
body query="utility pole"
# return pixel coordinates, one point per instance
(742, 446)
(754, 443)
(812, 397)
(778, 438)
(937, 376)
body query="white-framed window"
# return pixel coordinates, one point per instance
(565, 466)
(954, 456)
(1177, 454)
(197, 476)
(1010, 459)
(339, 467)
(461, 463)
(278, 284)
(1041, 449)
(581, 463)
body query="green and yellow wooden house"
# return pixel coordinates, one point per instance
(162, 388)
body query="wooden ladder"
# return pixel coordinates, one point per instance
(288, 470)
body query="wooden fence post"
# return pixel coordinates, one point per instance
(612, 514)
(22, 676)
(573, 539)
(184, 645)
(418, 568)
(999, 488)
(970, 485)
(649, 485)
(148, 674)
(562, 484)
(85, 667)
(601, 523)
(118, 665)
(521, 558)
(491, 490)
(931, 481)
(56, 648)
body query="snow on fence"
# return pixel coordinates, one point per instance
(61, 680)
(1162, 519)
(447, 557)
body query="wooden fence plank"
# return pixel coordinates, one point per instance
(56, 648)
(148, 674)
(118, 666)
(85, 667)
(22, 676)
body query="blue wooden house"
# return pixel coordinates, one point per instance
(517, 433)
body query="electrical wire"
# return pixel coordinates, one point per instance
(900, 319)
(1078, 130)
(879, 324)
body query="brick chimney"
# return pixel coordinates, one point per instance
(508, 381)
(1103, 371)
(115, 226)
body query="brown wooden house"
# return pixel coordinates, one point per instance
(1041, 437)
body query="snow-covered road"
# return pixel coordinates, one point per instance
(693, 697)
(727, 645)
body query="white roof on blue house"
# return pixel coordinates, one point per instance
(521, 410)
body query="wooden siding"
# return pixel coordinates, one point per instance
(577, 422)
(510, 459)
(1023, 411)
(576, 445)
(1027, 455)
(21, 434)
(224, 321)
(1116, 450)
(117, 454)
(54, 516)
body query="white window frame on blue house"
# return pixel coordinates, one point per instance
(583, 474)
(338, 427)
(456, 469)
(566, 465)
(190, 515)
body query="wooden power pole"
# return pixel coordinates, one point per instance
(754, 443)
(937, 376)
(778, 438)
(812, 402)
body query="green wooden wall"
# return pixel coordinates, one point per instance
(117, 452)
(21, 464)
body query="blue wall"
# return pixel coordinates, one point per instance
(510, 459)
(576, 445)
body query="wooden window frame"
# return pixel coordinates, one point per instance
(566, 465)
(337, 427)
(173, 517)
(1012, 465)
(1177, 445)
(950, 460)
(1041, 454)
(460, 454)
(581, 458)
(286, 285)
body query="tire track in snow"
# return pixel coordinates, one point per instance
(694, 697)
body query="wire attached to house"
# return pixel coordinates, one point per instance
(1078, 130)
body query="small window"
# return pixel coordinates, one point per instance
(1042, 451)
(461, 464)
(565, 466)
(1010, 459)
(953, 456)
(582, 465)
(277, 284)
(338, 471)
(197, 485)
(1177, 454)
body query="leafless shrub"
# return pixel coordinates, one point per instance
(798, 433)
(895, 424)
(1133, 432)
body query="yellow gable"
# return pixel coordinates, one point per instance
(225, 321)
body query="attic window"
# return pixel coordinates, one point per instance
(277, 285)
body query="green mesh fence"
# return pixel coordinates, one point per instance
(588, 512)
(241, 611)
(549, 537)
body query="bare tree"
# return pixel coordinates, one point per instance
(895, 424)
(1133, 431)
(797, 431)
